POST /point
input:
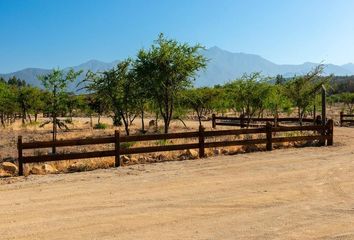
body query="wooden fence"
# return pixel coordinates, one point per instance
(323, 133)
(242, 121)
(343, 118)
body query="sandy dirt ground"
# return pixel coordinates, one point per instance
(298, 193)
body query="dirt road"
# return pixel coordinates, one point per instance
(304, 193)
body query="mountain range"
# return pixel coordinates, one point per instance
(222, 66)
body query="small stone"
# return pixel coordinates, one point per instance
(225, 151)
(37, 170)
(49, 168)
(124, 159)
(9, 167)
(134, 160)
(216, 151)
(191, 153)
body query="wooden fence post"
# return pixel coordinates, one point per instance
(201, 142)
(20, 160)
(117, 148)
(269, 136)
(341, 119)
(330, 132)
(213, 123)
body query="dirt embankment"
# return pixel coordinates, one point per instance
(303, 193)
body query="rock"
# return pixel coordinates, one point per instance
(37, 170)
(43, 169)
(49, 168)
(77, 167)
(191, 153)
(224, 151)
(124, 159)
(216, 151)
(4, 174)
(9, 167)
(134, 160)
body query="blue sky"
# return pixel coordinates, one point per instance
(62, 33)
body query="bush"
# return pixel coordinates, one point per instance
(100, 126)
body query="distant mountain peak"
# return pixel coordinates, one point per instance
(222, 67)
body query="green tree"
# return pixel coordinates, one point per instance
(348, 100)
(8, 103)
(168, 67)
(200, 100)
(248, 95)
(117, 86)
(56, 83)
(301, 90)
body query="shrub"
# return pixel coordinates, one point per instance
(100, 126)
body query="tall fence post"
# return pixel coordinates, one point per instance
(341, 119)
(213, 123)
(330, 132)
(201, 142)
(269, 136)
(117, 148)
(20, 159)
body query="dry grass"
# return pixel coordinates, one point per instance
(80, 129)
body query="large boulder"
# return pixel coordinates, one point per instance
(9, 167)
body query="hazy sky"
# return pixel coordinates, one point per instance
(61, 33)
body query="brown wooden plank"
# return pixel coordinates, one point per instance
(300, 138)
(297, 128)
(150, 137)
(70, 142)
(234, 143)
(67, 156)
(233, 132)
(236, 124)
(287, 119)
(348, 120)
(159, 148)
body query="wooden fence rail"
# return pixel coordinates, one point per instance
(343, 118)
(242, 121)
(323, 133)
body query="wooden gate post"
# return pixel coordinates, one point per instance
(201, 142)
(20, 159)
(341, 119)
(330, 132)
(117, 148)
(269, 136)
(213, 123)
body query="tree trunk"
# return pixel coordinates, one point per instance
(142, 122)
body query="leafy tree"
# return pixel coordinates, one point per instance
(117, 86)
(277, 101)
(248, 94)
(301, 90)
(8, 103)
(200, 100)
(348, 100)
(168, 67)
(30, 100)
(56, 83)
